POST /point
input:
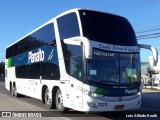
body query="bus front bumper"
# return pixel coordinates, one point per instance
(97, 105)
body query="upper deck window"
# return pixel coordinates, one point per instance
(68, 26)
(107, 28)
(41, 37)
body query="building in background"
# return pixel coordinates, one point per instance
(144, 73)
(156, 72)
(150, 75)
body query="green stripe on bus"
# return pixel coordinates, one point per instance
(101, 91)
(104, 92)
(9, 62)
(98, 90)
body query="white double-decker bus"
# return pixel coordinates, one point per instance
(82, 59)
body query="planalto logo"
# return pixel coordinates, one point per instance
(131, 91)
(36, 57)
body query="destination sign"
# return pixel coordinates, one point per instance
(116, 48)
(104, 54)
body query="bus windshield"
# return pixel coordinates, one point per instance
(113, 68)
(107, 28)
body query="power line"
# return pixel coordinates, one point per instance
(139, 5)
(114, 5)
(144, 28)
(150, 22)
(156, 19)
(122, 4)
(146, 31)
(148, 37)
(129, 5)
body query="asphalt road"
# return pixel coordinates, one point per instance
(25, 106)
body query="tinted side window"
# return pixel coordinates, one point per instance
(73, 60)
(34, 71)
(50, 71)
(43, 39)
(68, 26)
(48, 68)
(31, 71)
(71, 50)
(37, 39)
(45, 35)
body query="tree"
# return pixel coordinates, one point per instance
(150, 72)
(2, 69)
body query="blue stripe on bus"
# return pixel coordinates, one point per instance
(50, 55)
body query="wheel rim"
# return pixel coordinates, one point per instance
(47, 99)
(13, 91)
(60, 101)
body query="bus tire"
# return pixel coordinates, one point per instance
(10, 88)
(47, 100)
(14, 91)
(59, 102)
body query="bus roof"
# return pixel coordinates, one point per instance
(50, 21)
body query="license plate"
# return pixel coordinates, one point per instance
(119, 107)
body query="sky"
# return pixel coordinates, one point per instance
(19, 17)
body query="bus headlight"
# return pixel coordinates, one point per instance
(139, 93)
(95, 95)
(91, 94)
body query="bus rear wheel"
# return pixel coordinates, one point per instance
(59, 102)
(47, 98)
(14, 91)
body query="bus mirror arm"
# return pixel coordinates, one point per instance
(154, 52)
(78, 41)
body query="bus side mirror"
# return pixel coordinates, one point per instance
(81, 41)
(154, 52)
